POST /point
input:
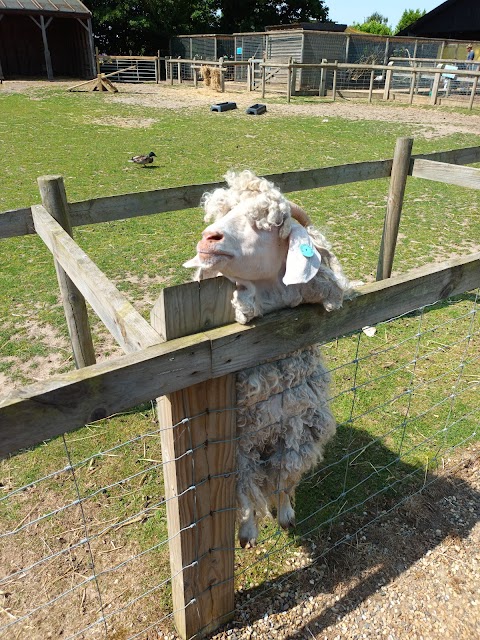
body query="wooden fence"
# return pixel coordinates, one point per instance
(411, 72)
(190, 351)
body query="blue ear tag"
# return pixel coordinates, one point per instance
(307, 250)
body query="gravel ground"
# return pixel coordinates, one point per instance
(414, 574)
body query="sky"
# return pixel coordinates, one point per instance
(350, 11)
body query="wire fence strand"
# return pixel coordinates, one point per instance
(84, 527)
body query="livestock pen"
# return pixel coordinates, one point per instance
(71, 571)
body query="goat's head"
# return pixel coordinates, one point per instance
(254, 239)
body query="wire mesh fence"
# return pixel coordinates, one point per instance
(84, 537)
(313, 47)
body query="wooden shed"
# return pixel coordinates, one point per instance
(453, 19)
(49, 38)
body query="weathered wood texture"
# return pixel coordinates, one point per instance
(68, 401)
(448, 173)
(54, 200)
(398, 182)
(19, 222)
(199, 467)
(128, 327)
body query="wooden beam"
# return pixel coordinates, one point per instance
(46, 51)
(19, 222)
(54, 200)
(200, 452)
(447, 173)
(128, 327)
(68, 401)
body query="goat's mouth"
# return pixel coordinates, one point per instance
(213, 256)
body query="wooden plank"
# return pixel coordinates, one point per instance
(54, 200)
(398, 182)
(65, 402)
(297, 328)
(70, 400)
(447, 173)
(200, 452)
(127, 326)
(19, 222)
(46, 51)
(16, 222)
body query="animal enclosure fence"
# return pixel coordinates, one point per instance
(130, 68)
(309, 48)
(94, 570)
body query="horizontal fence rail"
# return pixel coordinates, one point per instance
(19, 222)
(40, 411)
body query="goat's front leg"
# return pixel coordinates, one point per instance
(248, 530)
(286, 513)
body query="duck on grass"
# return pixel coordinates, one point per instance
(143, 160)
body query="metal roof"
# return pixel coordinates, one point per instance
(45, 6)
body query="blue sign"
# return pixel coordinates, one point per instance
(239, 51)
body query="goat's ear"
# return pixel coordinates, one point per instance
(303, 259)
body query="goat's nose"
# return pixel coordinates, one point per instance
(212, 235)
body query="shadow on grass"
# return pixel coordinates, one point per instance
(372, 527)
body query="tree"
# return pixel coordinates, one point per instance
(409, 16)
(144, 26)
(255, 15)
(378, 28)
(376, 17)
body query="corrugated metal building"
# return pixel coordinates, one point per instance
(49, 38)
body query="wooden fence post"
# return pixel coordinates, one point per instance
(388, 82)
(198, 453)
(398, 181)
(322, 90)
(54, 199)
(370, 86)
(473, 92)
(434, 92)
(289, 79)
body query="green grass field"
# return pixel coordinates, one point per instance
(386, 433)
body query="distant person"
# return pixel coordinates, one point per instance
(470, 57)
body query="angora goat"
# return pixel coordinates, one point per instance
(283, 421)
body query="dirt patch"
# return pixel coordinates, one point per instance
(124, 123)
(431, 122)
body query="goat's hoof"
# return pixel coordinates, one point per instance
(288, 520)
(246, 543)
(247, 535)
